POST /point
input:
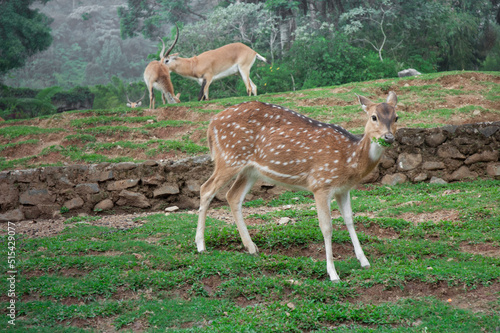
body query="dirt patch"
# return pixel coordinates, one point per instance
(487, 250)
(478, 299)
(439, 215)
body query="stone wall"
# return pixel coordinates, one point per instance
(446, 154)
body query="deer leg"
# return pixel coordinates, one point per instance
(344, 202)
(163, 99)
(151, 98)
(254, 87)
(245, 76)
(325, 223)
(208, 190)
(235, 197)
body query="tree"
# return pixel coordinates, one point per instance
(23, 32)
(149, 16)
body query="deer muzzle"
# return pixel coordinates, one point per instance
(388, 137)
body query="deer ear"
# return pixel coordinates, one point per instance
(129, 105)
(392, 99)
(365, 102)
(139, 103)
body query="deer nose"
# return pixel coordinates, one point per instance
(388, 137)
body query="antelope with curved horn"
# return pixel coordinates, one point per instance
(216, 64)
(136, 104)
(255, 140)
(157, 75)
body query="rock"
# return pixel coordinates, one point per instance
(14, 215)
(409, 161)
(102, 176)
(105, 204)
(150, 163)
(122, 184)
(485, 156)
(133, 199)
(166, 190)
(35, 197)
(171, 209)
(434, 140)
(284, 220)
(433, 165)
(87, 188)
(155, 179)
(437, 180)
(489, 130)
(30, 212)
(25, 176)
(193, 186)
(409, 72)
(493, 169)
(386, 162)
(397, 178)
(9, 193)
(124, 166)
(449, 152)
(450, 128)
(463, 173)
(420, 177)
(74, 203)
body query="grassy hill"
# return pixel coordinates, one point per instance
(175, 131)
(434, 248)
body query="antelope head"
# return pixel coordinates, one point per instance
(135, 104)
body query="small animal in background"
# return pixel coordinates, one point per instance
(157, 75)
(216, 64)
(255, 140)
(135, 104)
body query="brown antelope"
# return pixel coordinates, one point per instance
(157, 75)
(216, 64)
(257, 140)
(136, 104)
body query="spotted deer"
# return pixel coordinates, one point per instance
(255, 140)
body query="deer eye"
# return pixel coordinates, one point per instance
(374, 118)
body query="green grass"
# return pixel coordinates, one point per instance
(19, 143)
(15, 131)
(151, 275)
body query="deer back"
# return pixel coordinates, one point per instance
(288, 147)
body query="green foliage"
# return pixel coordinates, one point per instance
(24, 31)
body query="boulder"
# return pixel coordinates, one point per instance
(408, 72)
(485, 156)
(122, 184)
(433, 165)
(409, 161)
(74, 203)
(14, 215)
(463, 173)
(36, 197)
(434, 140)
(105, 204)
(87, 188)
(166, 190)
(128, 198)
(397, 178)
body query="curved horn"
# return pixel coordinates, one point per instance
(128, 99)
(140, 99)
(173, 44)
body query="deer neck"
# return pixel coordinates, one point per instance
(362, 158)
